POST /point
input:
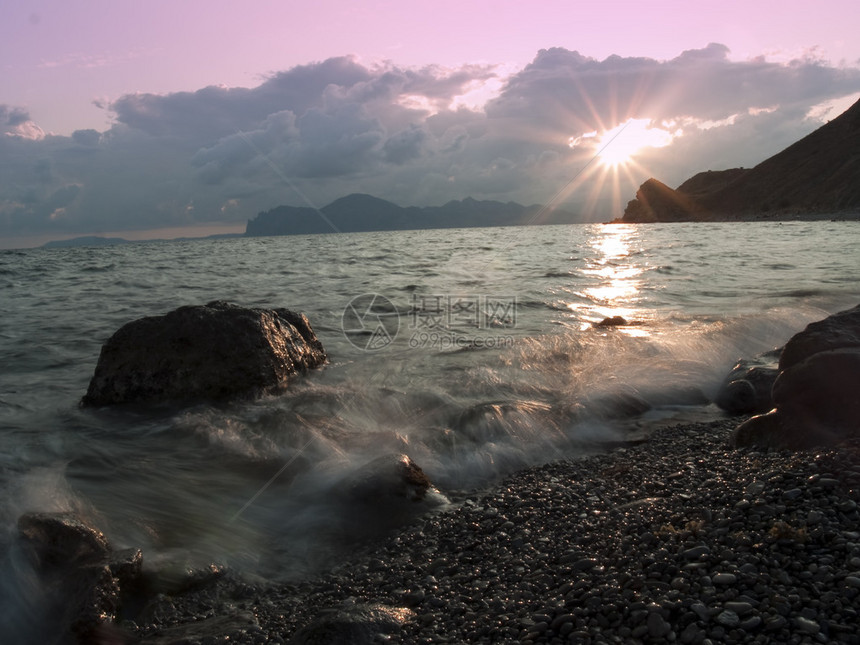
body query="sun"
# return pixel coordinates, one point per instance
(618, 146)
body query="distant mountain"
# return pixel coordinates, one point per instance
(359, 212)
(97, 240)
(820, 174)
(86, 240)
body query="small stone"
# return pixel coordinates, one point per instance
(657, 625)
(724, 579)
(563, 619)
(814, 517)
(696, 552)
(585, 564)
(701, 611)
(414, 598)
(751, 623)
(806, 625)
(692, 633)
(792, 494)
(728, 619)
(853, 581)
(740, 608)
(775, 623)
(755, 489)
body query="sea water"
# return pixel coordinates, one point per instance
(474, 351)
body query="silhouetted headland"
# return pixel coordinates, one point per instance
(816, 177)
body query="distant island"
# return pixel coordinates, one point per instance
(816, 177)
(98, 240)
(363, 213)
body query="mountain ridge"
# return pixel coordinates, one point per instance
(818, 175)
(359, 212)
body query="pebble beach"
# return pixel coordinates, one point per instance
(678, 539)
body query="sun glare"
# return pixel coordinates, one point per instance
(619, 145)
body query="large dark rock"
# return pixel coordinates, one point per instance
(61, 540)
(83, 581)
(210, 352)
(838, 331)
(816, 392)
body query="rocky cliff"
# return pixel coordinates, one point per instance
(820, 174)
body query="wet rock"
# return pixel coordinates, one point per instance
(382, 494)
(820, 396)
(81, 576)
(612, 321)
(815, 392)
(61, 540)
(621, 402)
(385, 478)
(211, 352)
(353, 625)
(838, 331)
(747, 387)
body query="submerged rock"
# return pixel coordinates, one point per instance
(612, 321)
(386, 478)
(210, 352)
(747, 389)
(354, 625)
(61, 540)
(815, 393)
(379, 496)
(84, 581)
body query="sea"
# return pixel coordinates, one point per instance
(476, 352)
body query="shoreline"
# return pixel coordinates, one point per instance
(680, 538)
(745, 218)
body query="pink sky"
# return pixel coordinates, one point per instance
(59, 56)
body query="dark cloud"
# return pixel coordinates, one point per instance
(13, 116)
(86, 138)
(318, 131)
(405, 145)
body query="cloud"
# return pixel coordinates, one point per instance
(16, 122)
(316, 132)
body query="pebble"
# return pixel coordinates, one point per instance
(657, 625)
(806, 625)
(728, 618)
(696, 552)
(724, 579)
(740, 608)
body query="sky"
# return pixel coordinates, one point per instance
(191, 116)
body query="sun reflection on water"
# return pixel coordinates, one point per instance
(613, 281)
